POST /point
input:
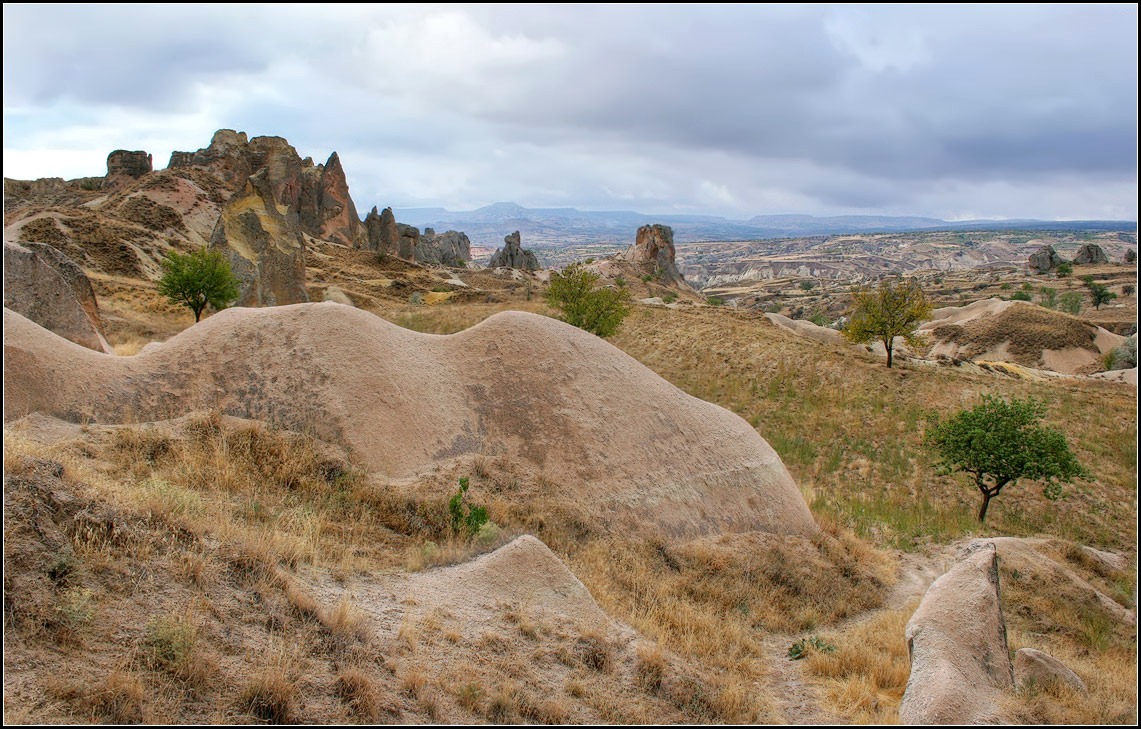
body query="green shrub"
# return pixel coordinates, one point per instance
(1071, 302)
(466, 518)
(1020, 296)
(1064, 269)
(1123, 357)
(803, 647)
(715, 301)
(670, 297)
(1049, 297)
(597, 310)
(807, 285)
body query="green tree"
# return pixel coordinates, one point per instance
(1064, 269)
(197, 279)
(1100, 294)
(574, 292)
(999, 442)
(892, 309)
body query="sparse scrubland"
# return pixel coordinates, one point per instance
(211, 569)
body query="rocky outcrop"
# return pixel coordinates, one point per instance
(336, 216)
(50, 289)
(654, 253)
(130, 164)
(1090, 253)
(408, 242)
(960, 663)
(1130, 256)
(447, 249)
(381, 232)
(260, 233)
(226, 158)
(1045, 259)
(1035, 668)
(512, 255)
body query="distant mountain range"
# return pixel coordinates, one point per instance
(543, 227)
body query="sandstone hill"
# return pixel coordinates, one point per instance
(528, 387)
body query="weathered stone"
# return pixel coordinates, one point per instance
(262, 239)
(131, 164)
(1090, 253)
(1035, 668)
(227, 158)
(408, 242)
(47, 287)
(446, 249)
(960, 663)
(512, 255)
(337, 218)
(1045, 259)
(654, 253)
(381, 232)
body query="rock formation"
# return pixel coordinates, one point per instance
(260, 234)
(1130, 255)
(408, 242)
(633, 450)
(447, 249)
(131, 164)
(381, 232)
(50, 289)
(654, 253)
(512, 255)
(227, 158)
(1090, 253)
(336, 216)
(1045, 259)
(960, 663)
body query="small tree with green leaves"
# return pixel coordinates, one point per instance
(892, 309)
(197, 279)
(1100, 294)
(1071, 302)
(999, 442)
(599, 310)
(465, 517)
(1064, 269)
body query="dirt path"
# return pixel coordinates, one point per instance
(801, 701)
(797, 700)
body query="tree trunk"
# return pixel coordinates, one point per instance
(986, 502)
(887, 343)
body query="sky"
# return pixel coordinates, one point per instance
(954, 112)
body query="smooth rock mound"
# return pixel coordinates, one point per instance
(548, 395)
(960, 663)
(1035, 668)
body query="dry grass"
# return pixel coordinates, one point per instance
(270, 694)
(1028, 328)
(360, 694)
(867, 673)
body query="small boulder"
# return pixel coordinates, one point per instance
(1035, 668)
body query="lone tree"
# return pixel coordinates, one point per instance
(999, 442)
(597, 310)
(197, 279)
(892, 309)
(1100, 294)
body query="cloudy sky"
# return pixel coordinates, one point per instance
(952, 112)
